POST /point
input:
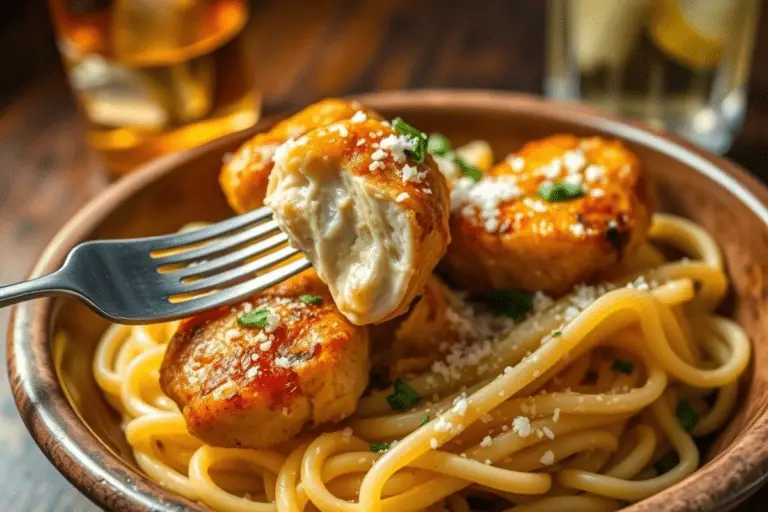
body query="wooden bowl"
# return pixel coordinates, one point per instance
(73, 425)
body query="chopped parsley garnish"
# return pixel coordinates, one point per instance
(557, 334)
(559, 191)
(513, 303)
(667, 463)
(419, 139)
(380, 447)
(687, 415)
(424, 421)
(438, 144)
(621, 366)
(314, 300)
(403, 397)
(256, 318)
(467, 170)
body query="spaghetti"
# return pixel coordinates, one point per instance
(583, 406)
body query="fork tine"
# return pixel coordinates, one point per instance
(234, 275)
(223, 262)
(157, 243)
(240, 291)
(220, 246)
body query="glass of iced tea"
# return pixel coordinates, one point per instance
(157, 76)
(682, 65)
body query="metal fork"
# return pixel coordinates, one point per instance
(127, 281)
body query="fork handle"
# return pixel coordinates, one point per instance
(47, 285)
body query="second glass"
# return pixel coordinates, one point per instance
(679, 64)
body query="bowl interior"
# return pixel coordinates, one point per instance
(189, 192)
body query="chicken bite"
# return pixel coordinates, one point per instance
(371, 219)
(256, 374)
(548, 217)
(441, 324)
(244, 176)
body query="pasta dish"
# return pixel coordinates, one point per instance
(525, 335)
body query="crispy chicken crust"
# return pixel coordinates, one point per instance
(531, 244)
(244, 177)
(255, 387)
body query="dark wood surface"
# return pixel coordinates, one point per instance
(303, 52)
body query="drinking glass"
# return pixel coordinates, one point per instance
(682, 65)
(156, 76)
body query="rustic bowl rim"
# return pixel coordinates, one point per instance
(105, 479)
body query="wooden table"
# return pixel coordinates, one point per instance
(322, 48)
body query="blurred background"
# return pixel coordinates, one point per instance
(90, 89)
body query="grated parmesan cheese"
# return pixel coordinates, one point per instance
(397, 145)
(403, 196)
(574, 160)
(340, 129)
(379, 154)
(551, 170)
(597, 192)
(460, 406)
(570, 313)
(411, 173)
(441, 425)
(574, 179)
(283, 362)
(517, 163)
(484, 198)
(273, 321)
(282, 151)
(376, 165)
(594, 173)
(548, 458)
(359, 117)
(541, 301)
(577, 229)
(521, 426)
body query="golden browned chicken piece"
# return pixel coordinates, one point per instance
(371, 219)
(548, 217)
(244, 177)
(441, 323)
(296, 362)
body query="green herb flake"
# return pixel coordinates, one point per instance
(468, 171)
(403, 397)
(557, 334)
(256, 318)
(380, 447)
(314, 300)
(420, 140)
(424, 421)
(512, 303)
(438, 144)
(667, 463)
(621, 366)
(687, 415)
(559, 191)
